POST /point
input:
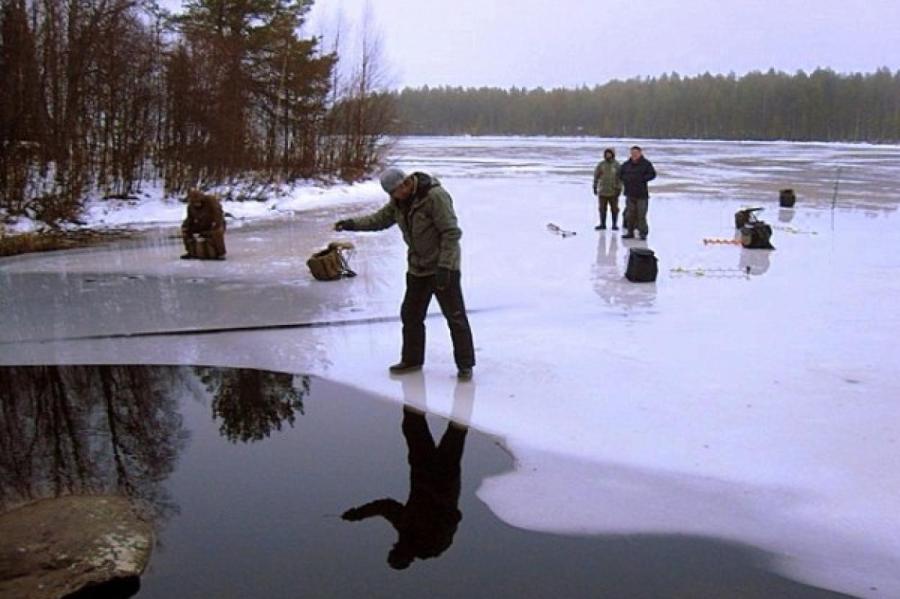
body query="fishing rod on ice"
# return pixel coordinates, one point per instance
(834, 195)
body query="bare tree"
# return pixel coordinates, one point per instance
(98, 95)
(362, 109)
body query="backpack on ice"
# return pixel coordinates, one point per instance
(330, 264)
(744, 216)
(641, 266)
(756, 235)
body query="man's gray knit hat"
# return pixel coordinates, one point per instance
(391, 179)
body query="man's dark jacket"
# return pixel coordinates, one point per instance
(635, 176)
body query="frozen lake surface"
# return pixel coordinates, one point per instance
(751, 409)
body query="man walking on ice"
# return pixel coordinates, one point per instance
(423, 210)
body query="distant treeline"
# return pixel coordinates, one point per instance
(99, 95)
(820, 106)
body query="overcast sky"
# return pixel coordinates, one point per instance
(553, 43)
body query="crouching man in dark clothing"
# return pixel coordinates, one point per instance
(423, 210)
(203, 231)
(635, 173)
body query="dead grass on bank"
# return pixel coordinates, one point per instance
(48, 241)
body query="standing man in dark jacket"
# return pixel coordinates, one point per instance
(636, 172)
(607, 188)
(423, 210)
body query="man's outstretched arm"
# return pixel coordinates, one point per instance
(382, 219)
(389, 509)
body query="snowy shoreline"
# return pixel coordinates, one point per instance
(510, 156)
(152, 208)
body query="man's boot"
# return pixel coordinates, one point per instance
(402, 367)
(602, 225)
(190, 249)
(615, 217)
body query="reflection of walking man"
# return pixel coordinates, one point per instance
(607, 187)
(636, 172)
(428, 521)
(423, 210)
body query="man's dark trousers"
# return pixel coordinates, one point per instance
(636, 215)
(415, 306)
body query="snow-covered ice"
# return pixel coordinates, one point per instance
(758, 408)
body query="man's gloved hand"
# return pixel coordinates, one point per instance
(344, 225)
(595, 190)
(442, 279)
(352, 515)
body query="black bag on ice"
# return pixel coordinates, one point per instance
(641, 266)
(756, 236)
(787, 198)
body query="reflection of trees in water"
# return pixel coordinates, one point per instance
(89, 429)
(76, 430)
(253, 403)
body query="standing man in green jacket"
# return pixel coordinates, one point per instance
(423, 210)
(607, 187)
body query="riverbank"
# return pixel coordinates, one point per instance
(106, 220)
(53, 240)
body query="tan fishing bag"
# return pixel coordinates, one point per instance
(331, 263)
